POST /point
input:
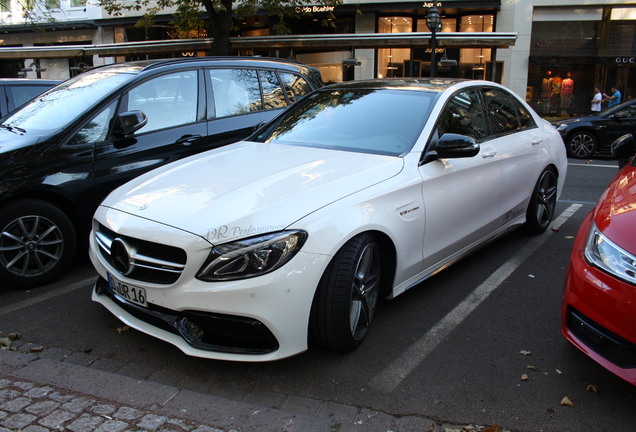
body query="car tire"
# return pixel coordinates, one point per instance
(37, 242)
(542, 202)
(347, 295)
(581, 145)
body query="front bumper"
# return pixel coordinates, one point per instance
(258, 319)
(599, 313)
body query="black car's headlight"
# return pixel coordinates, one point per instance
(604, 254)
(562, 127)
(250, 257)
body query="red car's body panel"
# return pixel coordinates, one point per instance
(599, 310)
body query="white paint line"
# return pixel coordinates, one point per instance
(47, 296)
(399, 369)
(594, 165)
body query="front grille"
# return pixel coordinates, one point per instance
(148, 261)
(608, 345)
(203, 330)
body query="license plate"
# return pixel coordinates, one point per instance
(130, 293)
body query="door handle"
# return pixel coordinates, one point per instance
(537, 141)
(489, 155)
(188, 139)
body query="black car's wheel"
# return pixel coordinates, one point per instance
(542, 203)
(347, 295)
(37, 242)
(581, 145)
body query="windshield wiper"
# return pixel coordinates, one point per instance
(16, 130)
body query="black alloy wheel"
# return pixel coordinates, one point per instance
(542, 203)
(347, 295)
(37, 242)
(581, 145)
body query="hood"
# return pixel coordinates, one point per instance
(249, 188)
(615, 213)
(14, 140)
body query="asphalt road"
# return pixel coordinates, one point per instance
(453, 349)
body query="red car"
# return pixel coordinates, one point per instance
(599, 300)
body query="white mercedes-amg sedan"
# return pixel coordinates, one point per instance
(361, 190)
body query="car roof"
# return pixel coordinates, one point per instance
(143, 65)
(423, 84)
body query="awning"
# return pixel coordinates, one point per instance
(343, 41)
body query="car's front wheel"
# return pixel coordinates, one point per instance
(581, 145)
(542, 203)
(37, 242)
(347, 295)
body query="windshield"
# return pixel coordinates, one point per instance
(57, 108)
(380, 121)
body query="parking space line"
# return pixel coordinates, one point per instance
(615, 166)
(46, 296)
(400, 368)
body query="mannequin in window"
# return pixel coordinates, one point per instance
(556, 93)
(567, 90)
(546, 92)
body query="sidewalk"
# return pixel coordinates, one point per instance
(43, 394)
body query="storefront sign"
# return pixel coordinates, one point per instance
(625, 60)
(429, 5)
(315, 9)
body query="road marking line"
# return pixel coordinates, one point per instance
(594, 165)
(391, 376)
(46, 296)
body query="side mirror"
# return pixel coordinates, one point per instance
(131, 121)
(623, 148)
(452, 146)
(619, 115)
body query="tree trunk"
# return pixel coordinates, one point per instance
(220, 26)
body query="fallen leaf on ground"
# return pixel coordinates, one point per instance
(524, 377)
(534, 368)
(35, 349)
(569, 237)
(559, 371)
(5, 342)
(566, 401)
(592, 388)
(494, 428)
(14, 336)
(524, 352)
(122, 329)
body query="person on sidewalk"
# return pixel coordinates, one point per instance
(614, 98)
(596, 100)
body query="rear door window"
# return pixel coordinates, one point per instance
(234, 92)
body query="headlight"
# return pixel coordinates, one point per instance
(562, 127)
(250, 257)
(604, 254)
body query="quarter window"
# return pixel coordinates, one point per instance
(96, 130)
(294, 85)
(168, 101)
(235, 91)
(463, 115)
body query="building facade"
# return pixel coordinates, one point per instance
(552, 51)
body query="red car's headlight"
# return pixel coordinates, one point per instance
(606, 255)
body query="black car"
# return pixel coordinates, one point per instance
(15, 92)
(585, 136)
(62, 153)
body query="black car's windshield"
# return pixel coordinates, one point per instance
(55, 109)
(380, 121)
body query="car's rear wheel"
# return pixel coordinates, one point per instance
(581, 145)
(542, 203)
(37, 242)
(347, 295)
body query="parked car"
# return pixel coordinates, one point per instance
(599, 299)
(62, 153)
(15, 92)
(359, 191)
(589, 135)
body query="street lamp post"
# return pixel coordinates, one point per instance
(434, 24)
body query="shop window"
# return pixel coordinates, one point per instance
(52, 4)
(391, 60)
(78, 3)
(448, 25)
